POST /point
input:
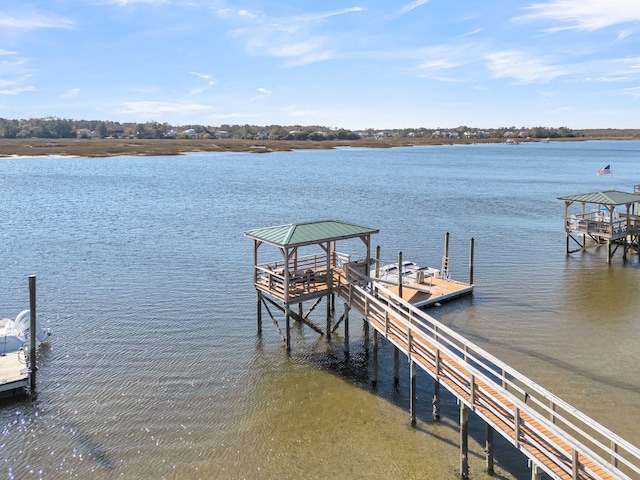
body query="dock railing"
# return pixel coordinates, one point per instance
(554, 435)
(303, 272)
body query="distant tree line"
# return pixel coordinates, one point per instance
(53, 127)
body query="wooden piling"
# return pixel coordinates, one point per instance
(328, 316)
(288, 328)
(32, 332)
(396, 367)
(346, 328)
(464, 442)
(446, 244)
(435, 411)
(259, 311)
(365, 327)
(536, 472)
(471, 253)
(488, 449)
(400, 274)
(412, 392)
(374, 360)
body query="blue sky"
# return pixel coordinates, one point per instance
(344, 64)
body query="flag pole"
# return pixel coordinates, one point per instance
(611, 175)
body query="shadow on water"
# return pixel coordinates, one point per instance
(355, 368)
(556, 362)
(29, 408)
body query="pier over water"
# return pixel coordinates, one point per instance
(557, 439)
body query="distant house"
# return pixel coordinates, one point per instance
(262, 135)
(85, 133)
(222, 134)
(190, 133)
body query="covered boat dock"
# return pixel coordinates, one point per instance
(609, 217)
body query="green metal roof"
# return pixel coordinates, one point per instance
(308, 233)
(607, 197)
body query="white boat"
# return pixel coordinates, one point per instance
(15, 335)
(411, 272)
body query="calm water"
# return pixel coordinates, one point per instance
(155, 370)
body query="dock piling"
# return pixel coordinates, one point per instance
(464, 441)
(489, 450)
(412, 388)
(346, 328)
(471, 252)
(32, 332)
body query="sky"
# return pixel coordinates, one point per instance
(352, 64)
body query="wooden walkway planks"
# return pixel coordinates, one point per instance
(457, 365)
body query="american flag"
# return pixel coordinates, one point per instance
(605, 170)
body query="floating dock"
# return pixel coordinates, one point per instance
(14, 371)
(421, 286)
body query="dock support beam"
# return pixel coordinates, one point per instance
(259, 311)
(288, 329)
(396, 368)
(471, 249)
(346, 329)
(329, 316)
(435, 412)
(412, 388)
(488, 449)
(464, 442)
(365, 326)
(536, 473)
(374, 360)
(32, 336)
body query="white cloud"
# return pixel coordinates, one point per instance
(154, 108)
(634, 92)
(293, 38)
(263, 94)
(17, 90)
(523, 68)
(477, 30)
(294, 111)
(586, 15)
(411, 6)
(73, 92)
(34, 22)
(210, 83)
(6, 52)
(201, 75)
(235, 115)
(130, 2)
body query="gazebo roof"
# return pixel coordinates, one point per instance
(607, 197)
(309, 233)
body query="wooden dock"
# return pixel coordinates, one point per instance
(610, 218)
(558, 439)
(14, 372)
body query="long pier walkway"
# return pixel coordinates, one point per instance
(557, 438)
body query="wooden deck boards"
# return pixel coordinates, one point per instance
(433, 291)
(13, 371)
(495, 407)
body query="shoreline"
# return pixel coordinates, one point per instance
(110, 147)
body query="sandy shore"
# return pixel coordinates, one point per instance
(112, 147)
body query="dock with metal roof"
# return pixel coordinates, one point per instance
(556, 438)
(609, 217)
